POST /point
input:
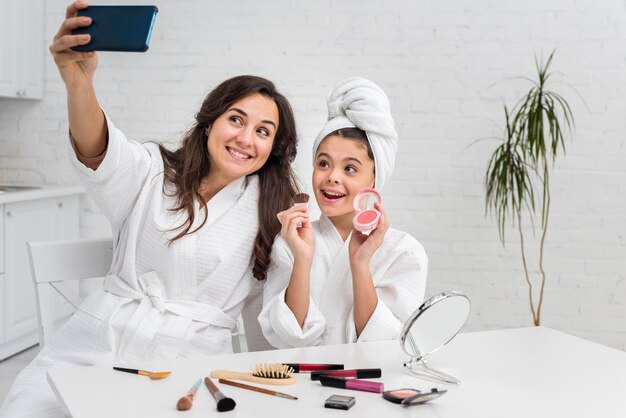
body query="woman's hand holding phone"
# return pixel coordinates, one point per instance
(76, 68)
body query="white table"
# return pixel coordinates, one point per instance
(527, 372)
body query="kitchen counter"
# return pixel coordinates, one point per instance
(20, 193)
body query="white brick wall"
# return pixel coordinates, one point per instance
(438, 61)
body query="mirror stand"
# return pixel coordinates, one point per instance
(418, 367)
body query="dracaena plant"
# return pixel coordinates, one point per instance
(533, 138)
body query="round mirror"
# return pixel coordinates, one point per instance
(431, 327)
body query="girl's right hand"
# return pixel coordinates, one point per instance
(301, 239)
(76, 68)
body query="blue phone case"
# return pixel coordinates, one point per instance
(117, 28)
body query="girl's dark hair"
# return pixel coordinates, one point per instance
(357, 135)
(188, 165)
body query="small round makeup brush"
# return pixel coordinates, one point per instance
(186, 401)
(300, 200)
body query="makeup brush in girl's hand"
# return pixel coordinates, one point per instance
(300, 200)
(151, 375)
(186, 401)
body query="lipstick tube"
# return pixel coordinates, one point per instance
(354, 373)
(354, 384)
(303, 367)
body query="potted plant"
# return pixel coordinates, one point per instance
(533, 138)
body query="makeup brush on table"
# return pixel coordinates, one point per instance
(151, 375)
(224, 403)
(257, 389)
(186, 401)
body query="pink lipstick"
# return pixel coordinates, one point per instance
(354, 373)
(354, 384)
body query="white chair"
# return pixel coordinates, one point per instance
(60, 266)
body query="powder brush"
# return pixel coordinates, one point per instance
(300, 200)
(186, 401)
(224, 403)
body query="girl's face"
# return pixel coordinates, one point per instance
(240, 140)
(342, 169)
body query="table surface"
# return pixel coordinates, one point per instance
(525, 372)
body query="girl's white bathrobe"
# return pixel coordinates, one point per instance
(398, 270)
(159, 301)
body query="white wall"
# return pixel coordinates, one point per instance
(438, 61)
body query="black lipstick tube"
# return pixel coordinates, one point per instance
(303, 367)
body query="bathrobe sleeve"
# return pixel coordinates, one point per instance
(279, 324)
(116, 183)
(400, 285)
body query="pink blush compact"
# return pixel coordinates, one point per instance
(409, 397)
(366, 218)
(397, 396)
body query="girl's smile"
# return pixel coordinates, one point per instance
(342, 169)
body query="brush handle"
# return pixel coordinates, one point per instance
(122, 369)
(228, 374)
(256, 389)
(194, 388)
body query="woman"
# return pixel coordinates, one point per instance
(330, 284)
(188, 225)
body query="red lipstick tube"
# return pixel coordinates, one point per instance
(302, 367)
(354, 384)
(354, 373)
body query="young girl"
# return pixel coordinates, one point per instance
(328, 283)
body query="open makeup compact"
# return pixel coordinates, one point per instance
(366, 217)
(431, 327)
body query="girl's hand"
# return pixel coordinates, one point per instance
(362, 247)
(76, 68)
(301, 240)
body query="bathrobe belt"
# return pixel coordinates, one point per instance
(151, 293)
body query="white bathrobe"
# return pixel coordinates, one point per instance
(398, 270)
(158, 301)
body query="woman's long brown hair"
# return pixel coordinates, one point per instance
(188, 165)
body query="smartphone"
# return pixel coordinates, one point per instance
(340, 402)
(117, 28)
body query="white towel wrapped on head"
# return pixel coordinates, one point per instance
(359, 103)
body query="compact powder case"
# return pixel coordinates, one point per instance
(408, 397)
(366, 218)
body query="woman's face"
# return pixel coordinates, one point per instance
(240, 140)
(342, 169)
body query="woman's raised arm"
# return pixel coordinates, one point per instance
(87, 123)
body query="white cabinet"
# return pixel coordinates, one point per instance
(21, 48)
(44, 219)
